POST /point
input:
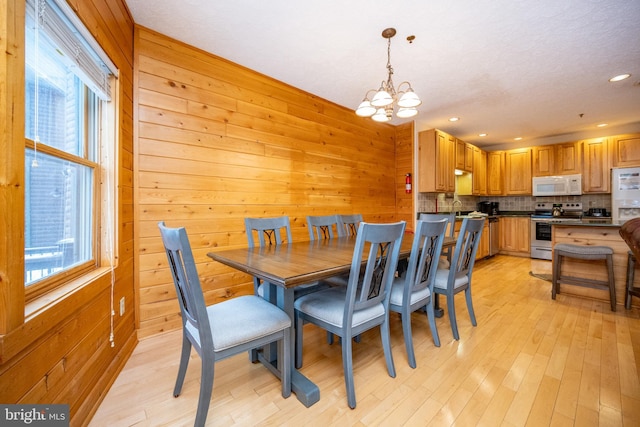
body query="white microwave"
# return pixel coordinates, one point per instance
(562, 185)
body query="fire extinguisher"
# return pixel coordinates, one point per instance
(407, 183)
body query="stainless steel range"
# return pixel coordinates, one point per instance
(544, 216)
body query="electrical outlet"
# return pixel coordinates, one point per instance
(121, 306)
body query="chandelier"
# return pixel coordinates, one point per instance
(380, 107)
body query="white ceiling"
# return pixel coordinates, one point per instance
(511, 68)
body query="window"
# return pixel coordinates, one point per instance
(67, 104)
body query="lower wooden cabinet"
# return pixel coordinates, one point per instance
(483, 249)
(515, 236)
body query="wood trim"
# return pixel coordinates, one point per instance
(12, 292)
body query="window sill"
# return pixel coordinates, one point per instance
(42, 303)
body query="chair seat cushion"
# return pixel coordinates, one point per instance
(442, 277)
(397, 290)
(328, 306)
(583, 250)
(240, 320)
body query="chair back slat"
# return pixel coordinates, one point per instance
(381, 245)
(467, 246)
(450, 217)
(187, 284)
(322, 227)
(268, 230)
(425, 252)
(350, 224)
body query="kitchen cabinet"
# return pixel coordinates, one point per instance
(515, 235)
(483, 249)
(495, 173)
(596, 166)
(626, 150)
(436, 162)
(544, 160)
(464, 156)
(568, 158)
(479, 187)
(557, 159)
(517, 172)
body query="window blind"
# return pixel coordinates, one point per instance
(76, 44)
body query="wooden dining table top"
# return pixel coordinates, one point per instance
(296, 263)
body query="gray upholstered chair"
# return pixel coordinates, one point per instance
(451, 232)
(413, 290)
(363, 304)
(324, 227)
(220, 330)
(457, 277)
(350, 223)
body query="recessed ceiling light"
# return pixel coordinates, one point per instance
(601, 125)
(482, 134)
(619, 77)
(518, 138)
(454, 119)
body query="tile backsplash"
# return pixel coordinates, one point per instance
(432, 202)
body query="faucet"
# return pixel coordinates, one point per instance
(453, 205)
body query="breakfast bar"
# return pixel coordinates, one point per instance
(594, 235)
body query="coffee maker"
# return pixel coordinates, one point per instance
(484, 207)
(494, 209)
(490, 208)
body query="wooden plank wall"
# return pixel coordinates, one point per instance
(405, 161)
(217, 142)
(62, 353)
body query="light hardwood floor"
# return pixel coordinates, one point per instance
(530, 361)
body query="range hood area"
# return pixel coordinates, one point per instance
(464, 183)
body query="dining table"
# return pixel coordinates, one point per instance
(289, 265)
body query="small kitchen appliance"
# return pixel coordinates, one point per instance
(494, 208)
(484, 207)
(489, 208)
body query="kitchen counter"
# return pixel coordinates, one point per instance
(515, 213)
(586, 224)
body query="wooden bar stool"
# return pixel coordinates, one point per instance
(564, 250)
(630, 289)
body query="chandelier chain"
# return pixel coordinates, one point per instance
(390, 88)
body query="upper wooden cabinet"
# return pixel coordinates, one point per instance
(596, 166)
(558, 159)
(436, 162)
(479, 187)
(626, 150)
(517, 172)
(464, 156)
(544, 160)
(495, 173)
(568, 158)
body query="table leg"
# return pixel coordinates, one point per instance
(439, 312)
(306, 391)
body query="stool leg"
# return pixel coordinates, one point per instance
(631, 270)
(557, 259)
(612, 283)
